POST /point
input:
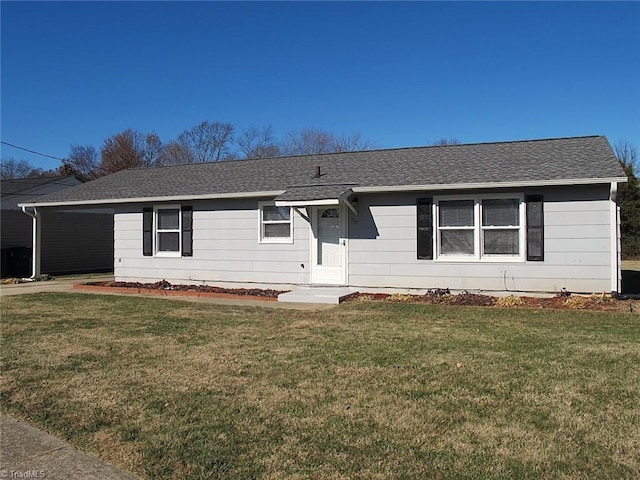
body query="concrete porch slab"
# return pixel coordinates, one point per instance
(329, 295)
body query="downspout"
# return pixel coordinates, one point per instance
(35, 244)
(616, 274)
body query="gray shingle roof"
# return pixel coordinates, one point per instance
(563, 160)
(16, 186)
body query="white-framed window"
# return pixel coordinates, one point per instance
(276, 223)
(168, 223)
(456, 227)
(480, 227)
(501, 226)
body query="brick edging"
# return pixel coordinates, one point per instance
(169, 293)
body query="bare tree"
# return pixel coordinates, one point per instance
(352, 143)
(308, 141)
(446, 141)
(12, 169)
(629, 199)
(627, 154)
(176, 153)
(152, 150)
(129, 149)
(314, 140)
(257, 142)
(209, 141)
(83, 160)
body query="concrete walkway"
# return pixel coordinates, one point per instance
(26, 452)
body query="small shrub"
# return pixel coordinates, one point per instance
(510, 301)
(439, 295)
(474, 299)
(577, 302)
(603, 297)
(400, 297)
(446, 298)
(365, 298)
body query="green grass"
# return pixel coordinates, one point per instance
(364, 390)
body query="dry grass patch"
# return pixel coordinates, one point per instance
(631, 264)
(510, 301)
(364, 390)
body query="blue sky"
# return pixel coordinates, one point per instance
(402, 74)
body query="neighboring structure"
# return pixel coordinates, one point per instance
(72, 242)
(534, 216)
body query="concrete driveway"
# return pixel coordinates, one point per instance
(58, 284)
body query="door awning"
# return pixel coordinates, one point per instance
(310, 195)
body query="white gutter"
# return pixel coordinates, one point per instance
(614, 233)
(35, 242)
(172, 198)
(475, 186)
(344, 198)
(306, 203)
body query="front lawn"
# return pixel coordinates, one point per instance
(169, 389)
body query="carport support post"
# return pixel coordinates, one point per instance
(35, 242)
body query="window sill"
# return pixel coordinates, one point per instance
(267, 241)
(168, 254)
(487, 259)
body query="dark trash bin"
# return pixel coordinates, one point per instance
(16, 262)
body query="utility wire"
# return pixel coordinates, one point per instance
(31, 151)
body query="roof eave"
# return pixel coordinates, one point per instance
(371, 189)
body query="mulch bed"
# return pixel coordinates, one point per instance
(435, 296)
(166, 288)
(561, 301)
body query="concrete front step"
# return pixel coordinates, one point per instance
(331, 295)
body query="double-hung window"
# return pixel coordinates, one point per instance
(483, 227)
(276, 225)
(501, 226)
(456, 227)
(167, 231)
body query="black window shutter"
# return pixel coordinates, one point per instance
(535, 228)
(425, 228)
(187, 231)
(147, 232)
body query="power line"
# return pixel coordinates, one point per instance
(31, 151)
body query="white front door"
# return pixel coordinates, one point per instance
(328, 245)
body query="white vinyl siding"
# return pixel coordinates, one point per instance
(226, 248)
(382, 247)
